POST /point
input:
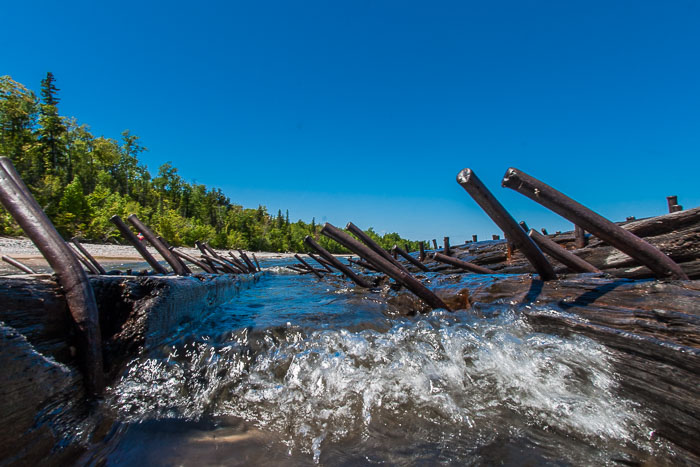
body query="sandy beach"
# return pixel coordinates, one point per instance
(111, 256)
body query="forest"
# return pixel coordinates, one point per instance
(82, 180)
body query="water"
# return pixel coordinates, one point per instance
(299, 372)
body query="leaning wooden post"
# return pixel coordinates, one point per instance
(238, 263)
(138, 244)
(411, 259)
(336, 264)
(614, 235)
(561, 254)
(388, 268)
(81, 248)
(394, 255)
(206, 258)
(88, 265)
(318, 260)
(22, 267)
(203, 266)
(153, 240)
(170, 248)
(471, 183)
(434, 244)
(374, 246)
(308, 266)
(421, 255)
(471, 267)
(363, 264)
(18, 201)
(247, 260)
(579, 237)
(257, 264)
(446, 246)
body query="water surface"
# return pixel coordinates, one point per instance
(300, 372)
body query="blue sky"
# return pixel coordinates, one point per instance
(366, 111)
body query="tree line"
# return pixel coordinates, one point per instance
(82, 180)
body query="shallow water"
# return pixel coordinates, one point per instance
(296, 371)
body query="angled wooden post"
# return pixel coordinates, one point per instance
(495, 210)
(609, 232)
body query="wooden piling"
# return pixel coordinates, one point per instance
(93, 261)
(374, 246)
(202, 265)
(580, 240)
(614, 235)
(561, 254)
(462, 264)
(19, 265)
(411, 259)
(471, 183)
(320, 261)
(247, 260)
(138, 245)
(336, 264)
(421, 255)
(446, 246)
(387, 267)
(17, 199)
(435, 244)
(308, 266)
(151, 237)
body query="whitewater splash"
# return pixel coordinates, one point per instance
(443, 387)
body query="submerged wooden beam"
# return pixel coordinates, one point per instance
(17, 199)
(19, 265)
(471, 267)
(593, 222)
(388, 268)
(374, 246)
(411, 259)
(336, 264)
(561, 254)
(203, 266)
(320, 261)
(308, 266)
(495, 210)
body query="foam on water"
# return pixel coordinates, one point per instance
(449, 380)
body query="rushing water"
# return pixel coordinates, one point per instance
(296, 371)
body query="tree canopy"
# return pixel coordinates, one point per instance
(82, 180)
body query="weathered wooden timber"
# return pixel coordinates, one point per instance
(93, 261)
(411, 259)
(599, 226)
(347, 272)
(308, 266)
(18, 264)
(651, 328)
(374, 246)
(461, 264)
(202, 265)
(562, 254)
(42, 389)
(136, 243)
(378, 261)
(17, 199)
(320, 261)
(152, 238)
(495, 210)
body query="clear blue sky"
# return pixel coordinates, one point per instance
(366, 111)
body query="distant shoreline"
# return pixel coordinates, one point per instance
(21, 248)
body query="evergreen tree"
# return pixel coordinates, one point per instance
(51, 126)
